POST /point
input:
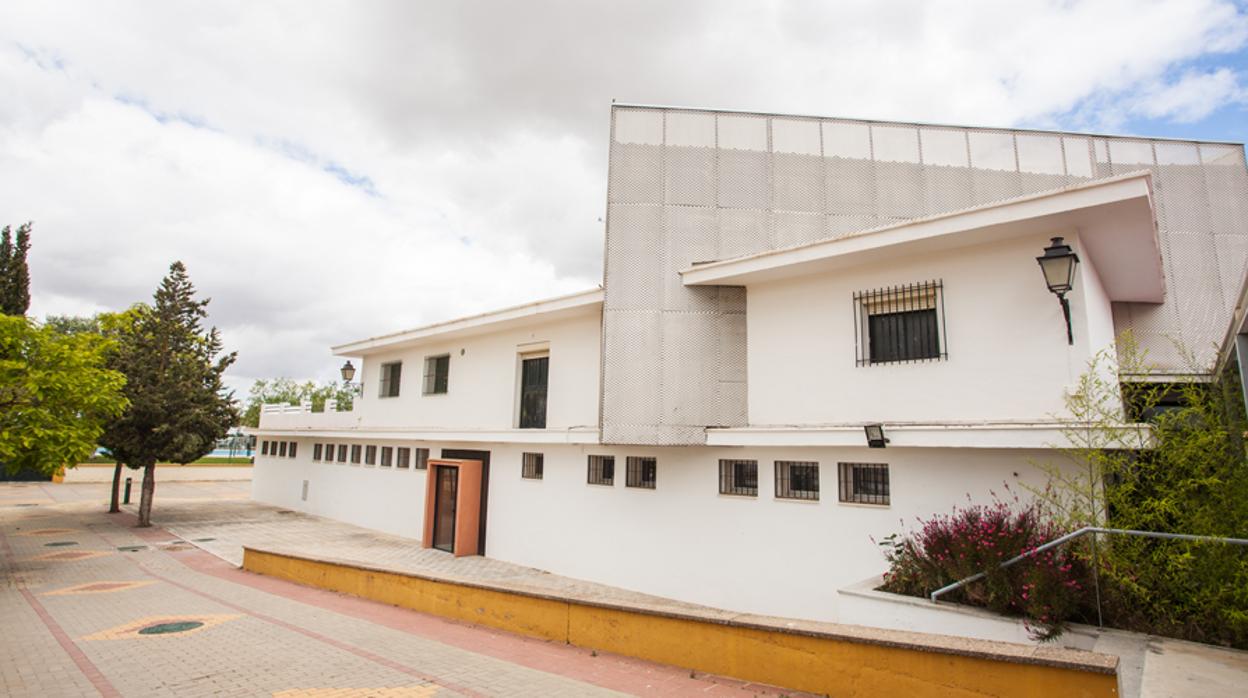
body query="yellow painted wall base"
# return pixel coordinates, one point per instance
(796, 660)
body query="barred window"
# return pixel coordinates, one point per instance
(601, 470)
(864, 483)
(355, 453)
(739, 477)
(294, 445)
(329, 453)
(342, 453)
(387, 456)
(370, 455)
(404, 457)
(422, 458)
(316, 451)
(797, 479)
(531, 466)
(640, 472)
(281, 449)
(391, 375)
(264, 448)
(901, 323)
(437, 373)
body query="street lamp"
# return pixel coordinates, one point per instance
(348, 374)
(1058, 264)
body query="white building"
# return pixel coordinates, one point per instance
(773, 285)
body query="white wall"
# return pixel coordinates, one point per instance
(484, 375)
(1008, 354)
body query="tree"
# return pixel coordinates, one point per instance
(72, 324)
(14, 272)
(178, 405)
(285, 391)
(56, 394)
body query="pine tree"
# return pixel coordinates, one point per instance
(14, 272)
(174, 372)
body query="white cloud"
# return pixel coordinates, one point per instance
(335, 170)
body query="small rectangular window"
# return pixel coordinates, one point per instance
(404, 457)
(391, 374)
(316, 451)
(329, 453)
(900, 324)
(342, 453)
(355, 453)
(533, 378)
(387, 456)
(738, 477)
(294, 446)
(264, 448)
(864, 483)
(531, 466)
(640, 471)
(437, 374)
(797, 479)
(281, 449)
(370, 455)
(601, 470)
(422, 458)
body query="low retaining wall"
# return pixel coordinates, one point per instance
(103, 472)
(822, 658)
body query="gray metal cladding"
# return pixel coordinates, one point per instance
(686, 186)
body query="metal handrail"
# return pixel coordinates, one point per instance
(1082, 532)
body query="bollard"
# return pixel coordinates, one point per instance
(126, 498)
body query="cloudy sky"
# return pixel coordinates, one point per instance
(330, 171)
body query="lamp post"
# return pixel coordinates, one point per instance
(1058, 264)
(348, 374)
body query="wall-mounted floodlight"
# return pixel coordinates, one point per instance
(1058, 264)
(875, 435)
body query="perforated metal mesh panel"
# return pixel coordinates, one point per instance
(687, 186)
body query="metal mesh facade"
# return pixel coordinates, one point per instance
(687, 186)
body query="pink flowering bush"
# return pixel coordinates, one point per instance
(1047, 590)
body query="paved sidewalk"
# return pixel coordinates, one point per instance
(93, 606)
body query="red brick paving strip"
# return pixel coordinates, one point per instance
(88, 669)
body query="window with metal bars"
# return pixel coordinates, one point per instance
(797, 479)
(356, 449)
(601, 470)
(281, 449)
(264, 448)
(329, 453)
(437, 374)
(387, 456)
(532, 466)
(738, 477)
(370, 455)
(404, 457)
(422, 458)
(342, 453)
(316, 451)
(640, 471)
(391, 377)
(534, 372)
(900, 324)
(294, 446)
(864, 483)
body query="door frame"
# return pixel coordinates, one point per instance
(438, 501)
(467, 504)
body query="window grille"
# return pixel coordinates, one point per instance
(864, 483)
(281, 449)
(437, 372)
(264, 448)
(370, 455)
(739, 477)
(316, 451)
(532, 465)
(329, 453)
(387, 456)
(900, 324)
(355, 453)
(640, 472)
(422, 458)
(404, 457)
(601, 470)
(797, 479)
(534, 374)
(294, 445)
(342, 453)
(391, 375)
